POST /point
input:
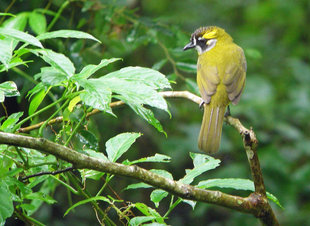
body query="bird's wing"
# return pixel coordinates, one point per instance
(235, 73)
(207, 80)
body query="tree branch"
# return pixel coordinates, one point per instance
(255, 204)
(82, 161)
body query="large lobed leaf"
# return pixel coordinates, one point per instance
(136, 86)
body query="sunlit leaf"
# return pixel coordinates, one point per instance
(96, 95)
(90, 69)
(141, 75)
(51, 76)
(20, 36)
(56, 60)
(8, 89)
(66, 34)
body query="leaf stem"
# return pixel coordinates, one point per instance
(56, 17)
(52, 116)
(37, 113)
(75, 129)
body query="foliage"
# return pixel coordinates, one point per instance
(64, 58)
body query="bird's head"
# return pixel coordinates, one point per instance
(205, 38)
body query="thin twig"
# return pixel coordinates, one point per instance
(47, 173)
(166, 94)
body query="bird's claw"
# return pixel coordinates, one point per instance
(227, 113)
(201, 104)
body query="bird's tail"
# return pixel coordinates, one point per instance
(211, 128)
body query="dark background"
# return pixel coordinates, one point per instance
(275, 36)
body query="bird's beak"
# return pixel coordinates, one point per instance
(189, 46)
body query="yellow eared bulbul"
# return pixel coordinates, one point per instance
(221, 72)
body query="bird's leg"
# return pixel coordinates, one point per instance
(227, 113)
(201, 104)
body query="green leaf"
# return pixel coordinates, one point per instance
(36, 101)
(89, 70)
(137, 185)
(8, 89)
(93, 174)
(18, 22)
(7, 47)
(136, 221)
(96, 95)
(144, 113)
(35, 90)
(56, 60)
(67, 34)
(95, 154)
(51, 76)
(157, 195)
(190, 202)
(156, 158)
(162, 173)
(97, 198)
(41, 196)
(141, 75)
(159, 64)
(37, 22)
(10, 122)
(134, 91)
(2, 97)
(190, 68)
(6, 203)
(118, 145)
(16, 61)
(20, 36)
(202, 163)
(87, 140)
(234, 183)
(147, 211)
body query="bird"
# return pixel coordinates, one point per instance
(221, 74)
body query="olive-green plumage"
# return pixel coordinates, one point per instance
(221, 72)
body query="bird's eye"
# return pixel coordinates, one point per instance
(202, 41)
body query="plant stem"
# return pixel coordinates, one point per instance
(107, 180)
(173, 206)
(52, 116)
(36, 113)
(75, 129)
(63, 6)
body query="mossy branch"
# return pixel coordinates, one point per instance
(256, 203)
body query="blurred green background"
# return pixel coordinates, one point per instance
(275, 36)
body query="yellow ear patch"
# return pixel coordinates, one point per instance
(210, 34)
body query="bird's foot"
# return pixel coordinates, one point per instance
(201, 104)
(227, 113)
